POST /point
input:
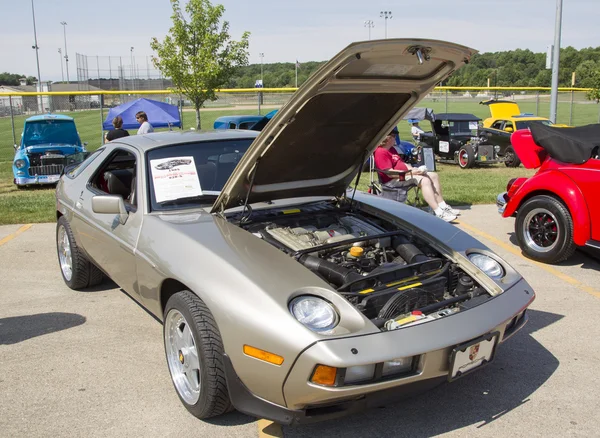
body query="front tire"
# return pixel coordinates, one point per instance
(511, 158)
(194, 352)
(77, 271)
(544, 230)
(466, 157)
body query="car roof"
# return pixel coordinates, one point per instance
(48, 117)
(155, 140)
(456, 117)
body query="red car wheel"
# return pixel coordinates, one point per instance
(544, 230)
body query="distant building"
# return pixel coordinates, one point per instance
(36, 104)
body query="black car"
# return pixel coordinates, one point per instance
(455, 138)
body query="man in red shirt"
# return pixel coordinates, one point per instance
(395, 173)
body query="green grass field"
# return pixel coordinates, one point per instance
(462, 187)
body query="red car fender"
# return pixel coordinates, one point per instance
(559, 184)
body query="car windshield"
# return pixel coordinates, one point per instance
(525, 124)
(50, 131)
(193, 174)
(462, 126)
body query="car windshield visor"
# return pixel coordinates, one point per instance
(50, 131)
(192, 174)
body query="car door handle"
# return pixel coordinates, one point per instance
(78, 204)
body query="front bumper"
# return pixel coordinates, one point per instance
(431, 344)
(501, 201)
(41, 179)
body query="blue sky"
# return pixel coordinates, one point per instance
(308, 30)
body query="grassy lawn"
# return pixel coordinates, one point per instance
(461, 187)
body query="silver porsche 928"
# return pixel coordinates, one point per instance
(283, 294)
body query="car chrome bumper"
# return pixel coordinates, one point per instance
(431, 344)
(501, 202)
(42, 179)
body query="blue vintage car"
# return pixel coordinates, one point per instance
(49, 142)
(254, 123)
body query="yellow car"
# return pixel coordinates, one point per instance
(506, 117)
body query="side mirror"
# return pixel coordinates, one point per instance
(110, 204)
(508, 129)
(85, 143)
(16, 147)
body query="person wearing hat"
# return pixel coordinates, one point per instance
(416, 130)
(395, 173)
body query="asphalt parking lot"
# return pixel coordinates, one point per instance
(92, 363)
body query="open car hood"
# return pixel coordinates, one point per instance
(502, 109)
(316, 143)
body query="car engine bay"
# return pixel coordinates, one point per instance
(393, 277)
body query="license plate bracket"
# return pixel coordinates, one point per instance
(472, 355)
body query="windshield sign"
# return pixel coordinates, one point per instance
(193, 174)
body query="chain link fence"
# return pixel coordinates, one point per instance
(574, 108)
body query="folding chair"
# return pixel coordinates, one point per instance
(400, 194)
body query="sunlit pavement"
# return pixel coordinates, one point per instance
(92, 363)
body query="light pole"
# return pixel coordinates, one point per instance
(386, 15)
(261, 56)
(370, 24)
(35, 46)
(64, 24)
(555, 62)
(132, 68)
(62, 71)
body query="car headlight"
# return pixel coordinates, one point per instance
(314, 312)
(487, 264)
(19, 164)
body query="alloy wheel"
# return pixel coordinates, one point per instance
(182, 356)
(541, 230)
(64, 253)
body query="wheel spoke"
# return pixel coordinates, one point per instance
(192, 378)
(192, 358)
(187, 338)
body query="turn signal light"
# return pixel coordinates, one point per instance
(324, 375)
(263, 355)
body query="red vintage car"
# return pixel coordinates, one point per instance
(557, 209)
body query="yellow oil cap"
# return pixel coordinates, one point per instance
(356, 251)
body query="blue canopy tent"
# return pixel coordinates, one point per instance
(160, 114)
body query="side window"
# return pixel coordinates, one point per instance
(232, 125)
(498, 124)
(246, 125)
(117, 176)
(509, 125)
(76, 169)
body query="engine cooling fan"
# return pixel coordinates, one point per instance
(405, 302)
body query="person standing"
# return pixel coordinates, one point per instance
(145, 126)
(118, 130)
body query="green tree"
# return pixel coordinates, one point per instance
(198, 53)
(594, 94)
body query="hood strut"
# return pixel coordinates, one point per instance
(242, 217)
(358, 175)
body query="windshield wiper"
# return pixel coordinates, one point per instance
(189, 200)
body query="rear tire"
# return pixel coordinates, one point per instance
(466, 157)
(544, 230)
(194, 352)
(77, 271)
(510, 158)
